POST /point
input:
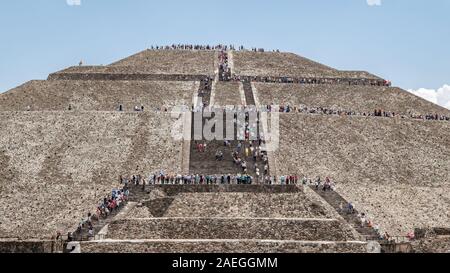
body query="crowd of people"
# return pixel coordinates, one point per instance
(164, 178)
(206, 47)
(339, 112)
(204, 91)
(257, 154)
(193, 47)
(112, 203)
(241, 154)
(119, 197)
(336, 80)
(303, 109)
(224, 69)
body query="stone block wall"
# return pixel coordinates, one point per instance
(16, 246)
(210, 246)
(246, 205)
(97, 95)
(172, 62)
(57, 166)
(436, 244)
(364, 150)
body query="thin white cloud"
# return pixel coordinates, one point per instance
(374, 2)
(73, 2)
(447, 105)
(440, 96)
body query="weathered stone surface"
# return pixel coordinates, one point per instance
(363, 151)
(172, 62)
(431, 240)
(346, 97)
(171, 190)
(230, 228)
(229, 246)
(159, 206)
(156, 193)
(280, 64)
(97, 95)
(396, 171)
(247, 205)
(58, 165)
(227, 93)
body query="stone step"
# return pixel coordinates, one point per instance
(230, 228)
(222, 246)
(249, 97)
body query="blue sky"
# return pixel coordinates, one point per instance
(406, 41)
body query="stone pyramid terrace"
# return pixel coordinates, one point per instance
(66, 140)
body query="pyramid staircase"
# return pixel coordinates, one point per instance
(249, 98)
(205, 162)
(204, 231)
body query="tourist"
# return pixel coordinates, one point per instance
(219, 155)
(318, 182)
(239, 146)
(91, 231)
(350, 208)
(282, 180)
(363, 219)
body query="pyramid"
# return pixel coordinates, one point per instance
(64, 144)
